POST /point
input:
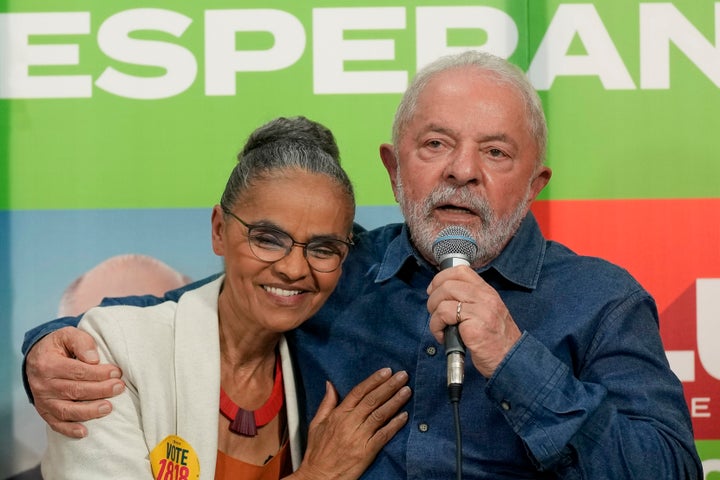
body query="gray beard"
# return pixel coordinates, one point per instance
(491, 235)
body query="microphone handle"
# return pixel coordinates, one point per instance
(455, 352)
(453, 260)
(454, 346)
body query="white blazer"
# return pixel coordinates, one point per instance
(170, 358)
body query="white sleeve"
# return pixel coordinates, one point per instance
(116, 446)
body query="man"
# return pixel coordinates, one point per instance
(568, 377)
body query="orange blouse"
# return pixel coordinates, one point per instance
(229, 468)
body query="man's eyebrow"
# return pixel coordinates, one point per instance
(498, 137)
(434, 127)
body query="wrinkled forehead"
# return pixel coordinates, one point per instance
(469, 93)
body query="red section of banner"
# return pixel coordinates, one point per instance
(666, 245)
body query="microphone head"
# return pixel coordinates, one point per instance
(454, 242)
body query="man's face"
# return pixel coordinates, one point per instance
(466, 158)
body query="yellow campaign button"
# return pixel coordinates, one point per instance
(174, 459)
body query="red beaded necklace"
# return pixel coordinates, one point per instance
(245, 422)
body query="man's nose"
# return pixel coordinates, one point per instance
(463, 166)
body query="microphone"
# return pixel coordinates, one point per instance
(454, 246)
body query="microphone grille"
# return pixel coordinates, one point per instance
(454, 240)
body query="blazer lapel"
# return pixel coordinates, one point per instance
(291, 405)
(197, 372)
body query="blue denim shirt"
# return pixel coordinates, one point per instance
(585, 393)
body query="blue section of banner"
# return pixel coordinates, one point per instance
(7, 347)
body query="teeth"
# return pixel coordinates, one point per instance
(281, 292)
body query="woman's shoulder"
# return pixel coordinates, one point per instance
(130, 333)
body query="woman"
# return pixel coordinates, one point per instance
(283, 227)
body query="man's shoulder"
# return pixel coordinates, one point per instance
(376, 240)
(367, 254)
(370, 246)
(583, 269)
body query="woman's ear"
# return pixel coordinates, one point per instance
(217, 221)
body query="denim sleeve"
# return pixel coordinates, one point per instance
(34, 335)
(607, 416)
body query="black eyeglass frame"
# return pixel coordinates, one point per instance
(348, 241)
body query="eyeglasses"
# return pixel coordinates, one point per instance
(270, 244)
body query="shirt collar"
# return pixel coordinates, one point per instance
(519, 262)
(399, 251)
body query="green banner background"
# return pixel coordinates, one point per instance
(112, 152)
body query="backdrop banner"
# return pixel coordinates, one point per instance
(121, 121)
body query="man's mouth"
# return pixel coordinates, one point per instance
(455, 209)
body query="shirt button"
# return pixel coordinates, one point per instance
(423, 427)
(431, 350)
(505, 405)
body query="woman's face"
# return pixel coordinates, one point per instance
(280, 295)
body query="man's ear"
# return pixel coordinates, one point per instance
(389, 159)
(542, 177)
